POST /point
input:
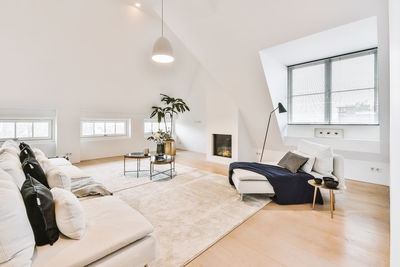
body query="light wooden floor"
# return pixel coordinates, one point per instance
(296, 235)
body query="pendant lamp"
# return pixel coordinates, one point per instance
(162, 50)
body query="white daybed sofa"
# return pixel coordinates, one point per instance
(116, 234)
(248, 182)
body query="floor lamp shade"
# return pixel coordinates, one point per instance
(281, 108)
(162, 51)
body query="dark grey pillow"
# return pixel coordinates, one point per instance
(292, 162)
(39, 206)
(32, 167)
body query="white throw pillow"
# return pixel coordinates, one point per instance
(57, 178)
(70, 216)
(45, 163)
(308, 166)
(17, 242)
(323, 156)
(38, 152)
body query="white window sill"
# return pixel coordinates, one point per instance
(104, 138)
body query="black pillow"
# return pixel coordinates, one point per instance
(292, 162)
(39, 206)
(32, 167)
(26, 153)
(22, 145)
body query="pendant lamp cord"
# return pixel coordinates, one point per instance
(162, 18)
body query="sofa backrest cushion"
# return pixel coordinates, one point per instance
(323, 156)
(10, 163)
(70, 216)
(39, 205)
(32, 167)
(10, 146)
(17, 242)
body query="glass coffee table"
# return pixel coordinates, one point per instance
(138, 156)
(166, 160)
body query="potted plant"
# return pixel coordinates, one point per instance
(159, 137)
(173, 106)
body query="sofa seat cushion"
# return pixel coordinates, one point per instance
(245, 175)
(111, 225)
(252, 186)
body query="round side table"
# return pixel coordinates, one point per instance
(138, 157)
(323, 186)
(162, 161)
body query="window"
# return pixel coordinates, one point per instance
(151, 126)
(336, 90)
(104, 128)
(26, 129)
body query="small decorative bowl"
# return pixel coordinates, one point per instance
(331, 184)
(318, 180)
(328, 179)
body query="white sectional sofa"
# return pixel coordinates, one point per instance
(248, 182)
(116, 234)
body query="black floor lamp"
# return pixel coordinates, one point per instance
(281, 109)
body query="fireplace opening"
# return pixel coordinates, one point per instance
(222, 145)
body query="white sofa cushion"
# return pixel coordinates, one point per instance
(17, 242)
(57, 178)
(10, 163)
(323, 156)
(245, 175)
(110, 225)
(308, 166)
(252, 186)
(73, 172)
(10, 146)
(70, 216)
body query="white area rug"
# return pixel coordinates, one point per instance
(189, 213)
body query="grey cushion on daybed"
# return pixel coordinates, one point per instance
(292, 161)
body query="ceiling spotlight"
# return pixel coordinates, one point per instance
(138, 4)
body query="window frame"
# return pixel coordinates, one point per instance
(50, 136)
(105, 121)
(328, 83)
(153, 121)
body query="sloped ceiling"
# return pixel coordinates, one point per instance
(227, 35)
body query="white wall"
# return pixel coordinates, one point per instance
(394, 131)
(190, 127)
(76, 57)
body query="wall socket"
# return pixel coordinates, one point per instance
(328, 133)
(376, 169)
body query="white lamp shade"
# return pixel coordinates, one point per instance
(162, 51)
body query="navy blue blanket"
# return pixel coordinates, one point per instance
(290, 188)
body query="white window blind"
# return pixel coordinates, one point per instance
(336, 90)
(104, 128)
(26, 129)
